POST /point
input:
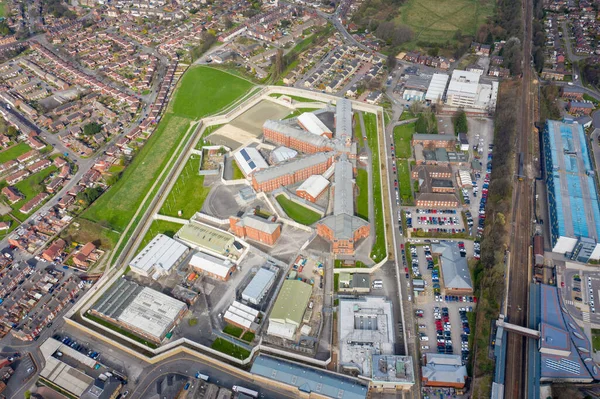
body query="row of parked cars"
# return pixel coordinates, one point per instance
(464, 337)
(484, 194)
(77, 346)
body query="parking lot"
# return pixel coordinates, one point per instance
(435, 220)
(442, 319)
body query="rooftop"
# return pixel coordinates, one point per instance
(343, 118)
(211, 264)
(159, 255)
(343, 190)
(258, 283)
(314, 185)
(308, 379)
(250, 160)
(292, 166)
(455, 270)
(437, 87)
(291, 302)
(442, 368)
(204, 236)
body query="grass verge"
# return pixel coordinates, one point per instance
(362, 200)
(230, 349)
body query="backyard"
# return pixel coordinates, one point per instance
(30, 187)
(13, 152)
(379, 251)
(297, 212)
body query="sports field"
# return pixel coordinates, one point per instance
(204, 91)
(437, 21)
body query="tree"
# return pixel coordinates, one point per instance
(89, 195)
(460, 122)
(426, 123)
(513, 55)
(92, 128)
(416, 107)
(228, 23)
(391, 61)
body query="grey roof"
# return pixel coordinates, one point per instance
(361, 280)
(344, 225)
(343, 194)
(438, 137)
(581, 104)
(115, 300)
(308, 379)
(258, 223)
(443, 368)
(420, 83)
(343, 117)
(255, 289)
(290, 131)
(292, 166)
(455, 269)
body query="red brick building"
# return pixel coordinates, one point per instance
(437, 200)
(284, 134)
(313, 188)
(447, 141)
(255, 228)
(580, 108)
(291, 172)
(343, 232)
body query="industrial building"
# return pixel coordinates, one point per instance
(158, 257)
(455, 274)
(209, 239)
(572, 193)
(366, 329)
(241, 316)
(255, 227)
(288, 310)
(437, 87)
(443, 371)
(309, 380)
(217, 268)
(249, 160)
(143, 311)
(342, 229)
(391, 373)
(312, 188)
(259, 286)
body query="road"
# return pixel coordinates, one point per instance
(517, 301)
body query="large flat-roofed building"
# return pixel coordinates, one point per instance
(312, 188)
(564, 352)
(288, 310)
(201, 236)
(365, 329)
(444, 371)
(317, 382)
(250, 160)
(465, 90)
(158, 257)
(256, 228)
(258, 287)
(572, 192)
(342, 229)
(291, 172)
(143, 311)
(456, 277)
(217, 268)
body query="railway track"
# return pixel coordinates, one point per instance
(518, 292)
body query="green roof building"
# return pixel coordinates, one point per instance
(289, 308)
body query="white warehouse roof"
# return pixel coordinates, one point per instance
(313, 124)
(159, 256)
(259, 284)
(250, 160)
(437, 86)
(314, 185)
(211, 264)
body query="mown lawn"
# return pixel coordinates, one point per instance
(298, 212)
(188, 192)
(402, 137)
(230, 349)
(117, 206)
(362, 201)
(14, 151)
(379, 251)
(31, 187)
(404, 180)
(204, 91)
(160, 227)
(237, 172)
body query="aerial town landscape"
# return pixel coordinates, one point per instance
(299, 199)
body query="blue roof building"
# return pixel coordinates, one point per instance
(573, 204)
(308, 379)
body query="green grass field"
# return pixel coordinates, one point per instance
(160, 227)
(362, 201)
(404, 180)
(379, 251)
(13, 152)
(117, 206)
(230, 349)
(3, 9)
(437, 21)
(188, 192)
(237, 172)
(298, 212)
(402, 137)
(203, 91)
(30, 187)
(84, 231)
